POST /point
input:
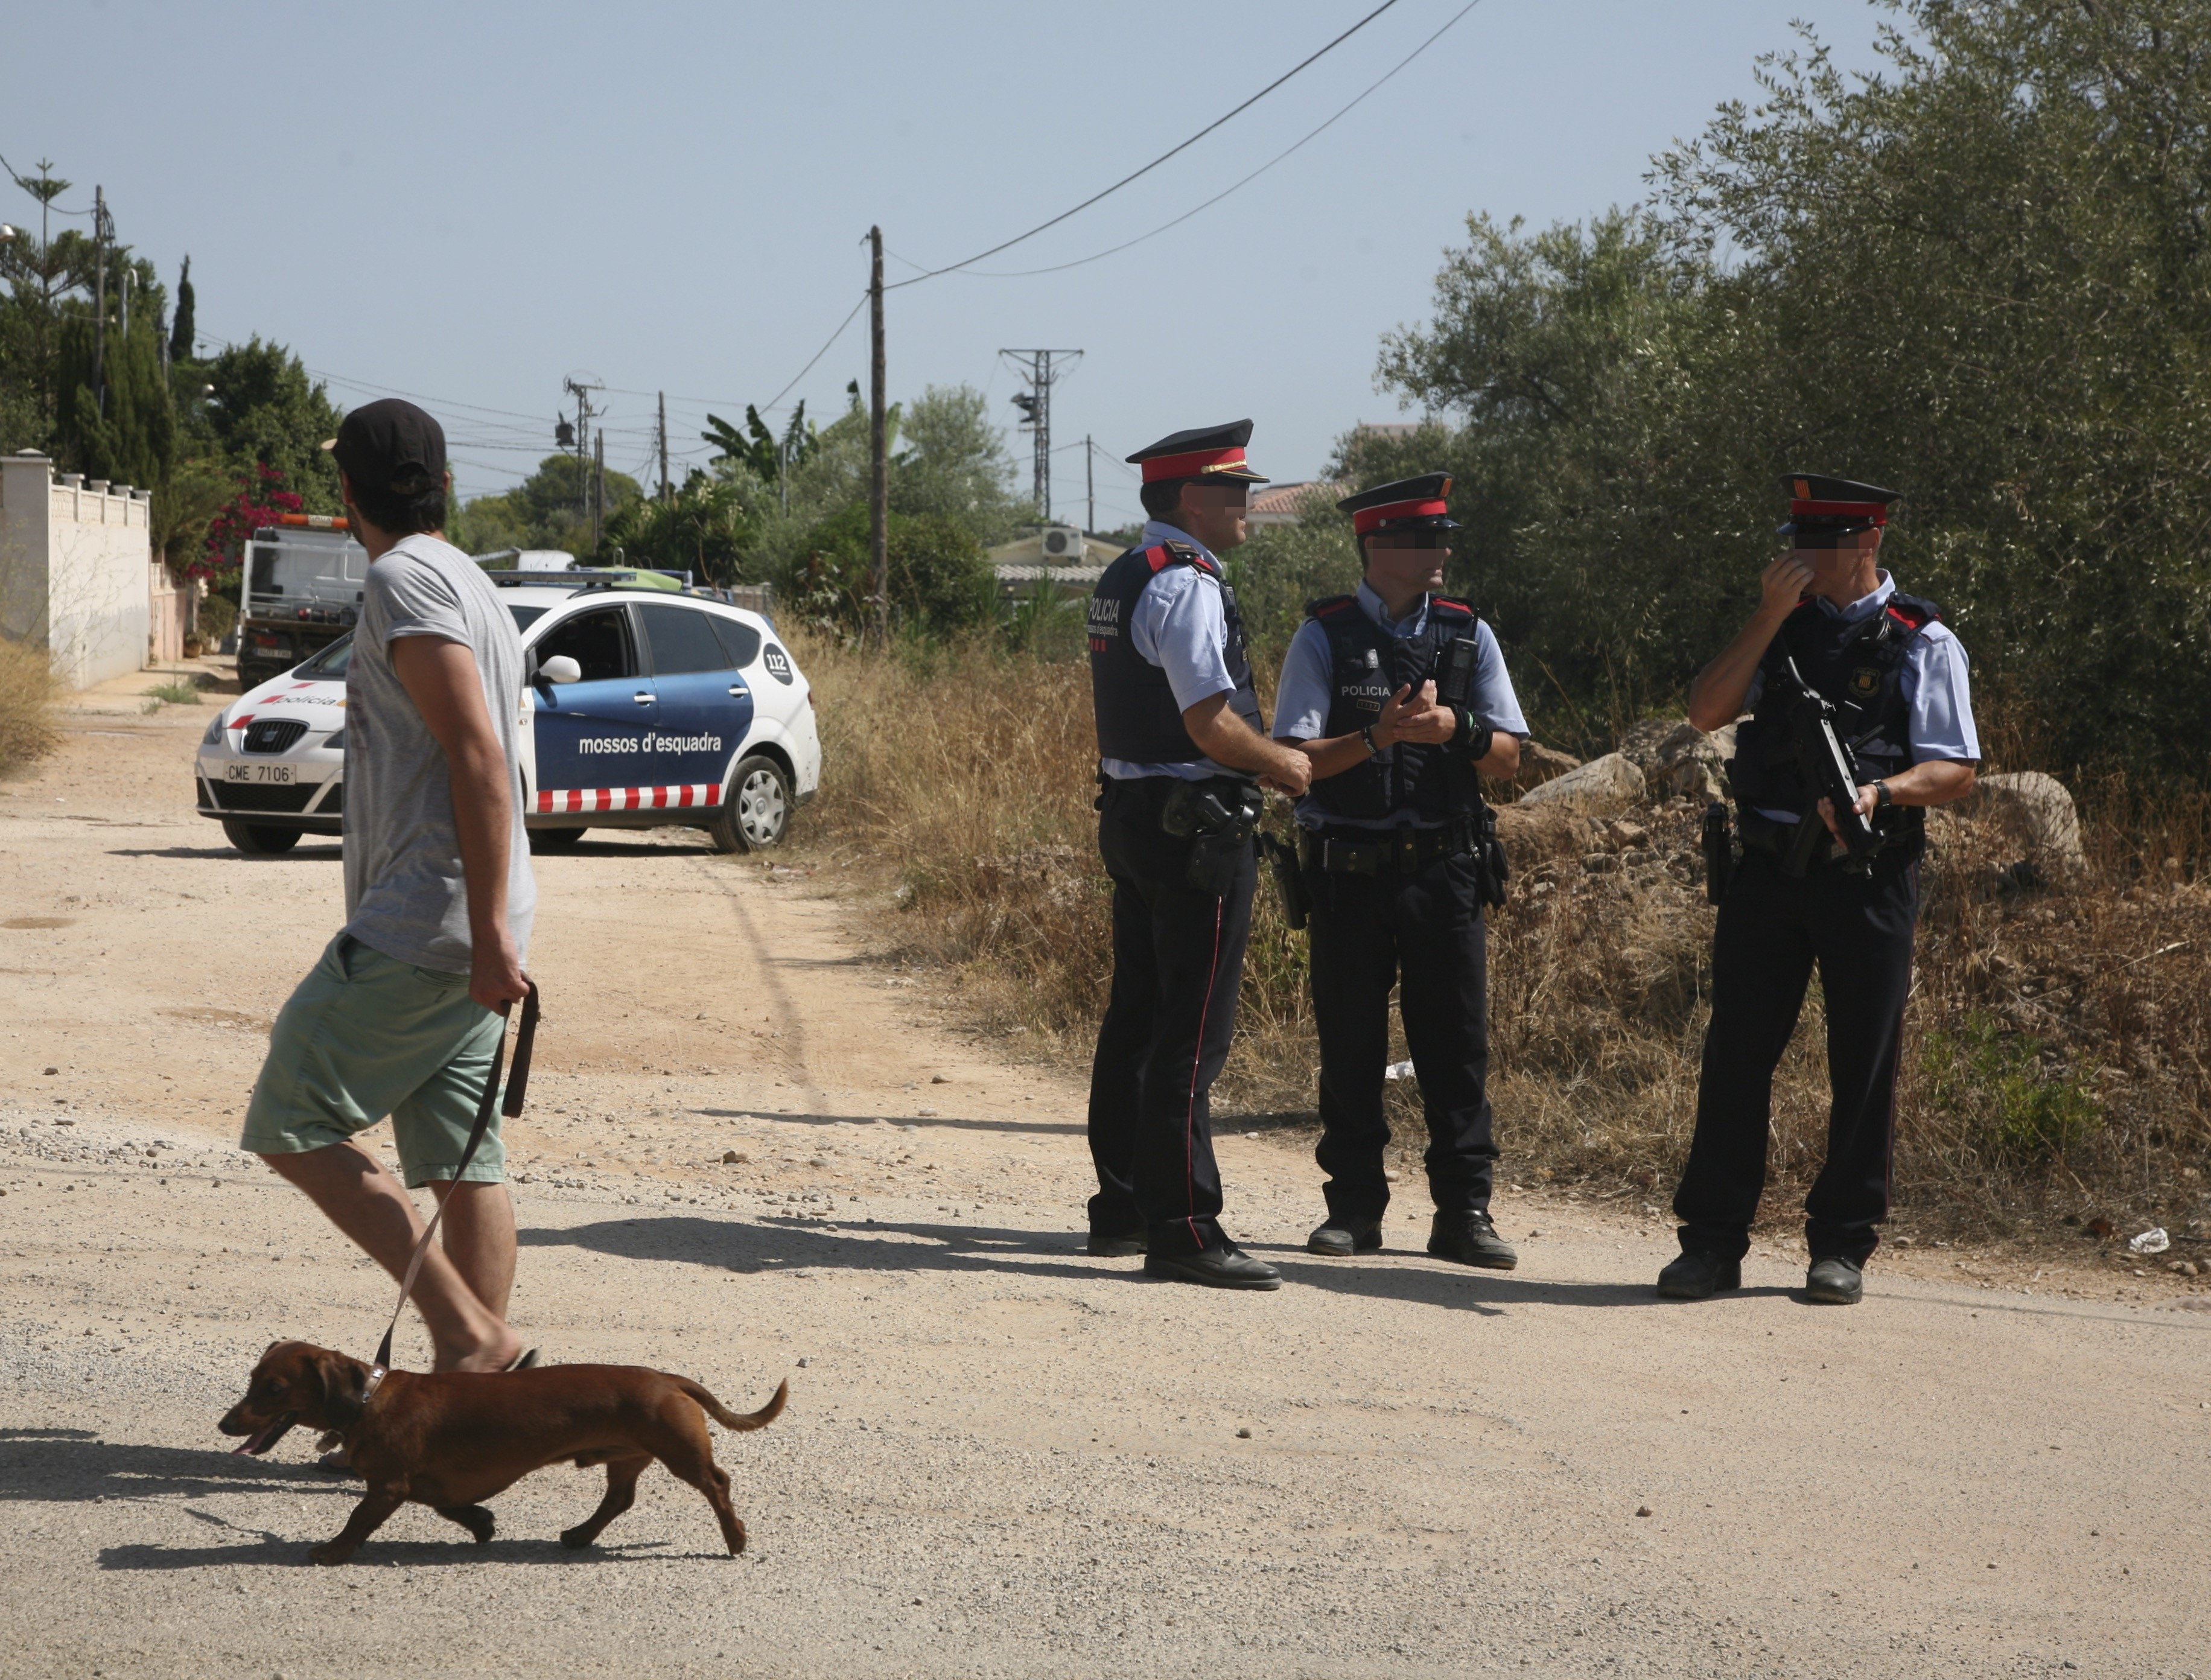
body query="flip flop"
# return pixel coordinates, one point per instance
(524, 1361)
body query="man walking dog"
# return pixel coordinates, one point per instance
(402, 1014)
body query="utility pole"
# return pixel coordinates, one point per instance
(99, 231)
(663, 445)
(879, 479)
(1089, 484)
(1036, 402)
(581, 390)
(599, 488)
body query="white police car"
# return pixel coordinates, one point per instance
(643, 709)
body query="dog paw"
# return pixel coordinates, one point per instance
(330, 1552)
(575, 1539)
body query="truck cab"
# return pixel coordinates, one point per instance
(299, 592)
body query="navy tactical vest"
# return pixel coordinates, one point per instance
(1859, 666)
(1138, 719)
(1369, 665)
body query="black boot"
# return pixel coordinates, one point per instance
(1470, 1239)
(1342, 1238)
(1106, 1246)
(1696, 1274)
(1228, 1268)
(1834, 1281)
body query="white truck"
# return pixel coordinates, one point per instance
(300, 590)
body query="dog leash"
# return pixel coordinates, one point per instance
(517, 1085)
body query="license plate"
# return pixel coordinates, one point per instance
(280, 775)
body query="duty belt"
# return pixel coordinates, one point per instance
(1761, 833)
(1405, 853)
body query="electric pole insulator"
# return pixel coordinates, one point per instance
(564, 434)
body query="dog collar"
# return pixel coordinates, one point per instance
(376, 1375)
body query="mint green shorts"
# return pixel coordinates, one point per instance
(364, 1036)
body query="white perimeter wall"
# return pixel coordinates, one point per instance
(73, 569)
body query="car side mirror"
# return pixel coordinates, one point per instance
(560, 668)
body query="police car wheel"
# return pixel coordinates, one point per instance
(257, 839)
(555, 839)
(758, 813)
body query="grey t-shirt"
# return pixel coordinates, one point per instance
(406, 895)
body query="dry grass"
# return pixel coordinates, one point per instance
(2054, 1062)
(27, 705)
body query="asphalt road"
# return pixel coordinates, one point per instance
(1001, 1457)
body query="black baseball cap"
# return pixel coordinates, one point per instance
(390, 444)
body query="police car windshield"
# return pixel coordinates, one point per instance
(331, 663)
(525, 616)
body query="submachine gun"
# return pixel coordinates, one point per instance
(1832, 773)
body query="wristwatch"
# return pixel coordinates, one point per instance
(1882, 799)
(1366, 733)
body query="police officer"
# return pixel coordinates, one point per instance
(1399, 858)
(1182, 753)
(1896, 677)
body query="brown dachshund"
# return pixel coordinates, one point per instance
(453, 1439)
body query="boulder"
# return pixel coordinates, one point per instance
(1533, 833)
(1601, 787)
(1540, 763)
(2035, 813)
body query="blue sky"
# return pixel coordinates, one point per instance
(466, 202)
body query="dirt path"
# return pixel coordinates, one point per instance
(1001, 1457)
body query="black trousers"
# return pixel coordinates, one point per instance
(1771, 930)
(1368, 934)
(1177, 961)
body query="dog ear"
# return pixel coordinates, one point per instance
(345, 1383)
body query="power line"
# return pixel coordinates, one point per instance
(1111, 251)
(819, 354)
(1007, 245)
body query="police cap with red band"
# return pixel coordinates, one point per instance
(1206, 451)
(1817, 502)
(1410, 504)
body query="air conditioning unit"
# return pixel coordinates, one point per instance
(1062, 545)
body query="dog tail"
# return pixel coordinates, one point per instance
(733, 1420)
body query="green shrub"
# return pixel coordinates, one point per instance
(1993, 1078)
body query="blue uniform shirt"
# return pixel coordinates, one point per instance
(1179, 627)
(1308, 689)
(1938, 695)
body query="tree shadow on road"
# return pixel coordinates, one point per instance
(909, 1122)
(280, 1551)
(73, 1466)
(790, 1245)
(758, 1249)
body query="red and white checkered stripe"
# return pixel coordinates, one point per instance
(561, 801)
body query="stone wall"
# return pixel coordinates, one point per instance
(73, 570)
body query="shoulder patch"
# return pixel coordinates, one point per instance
(1328, 605)
(1452, 605)
(1175, 554)
(1914, 612)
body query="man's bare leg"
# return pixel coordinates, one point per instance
(370, 1206)
(478, 1235)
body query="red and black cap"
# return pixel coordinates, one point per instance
(1817, 502)
(1410, 504)
(1206, 451)
(391, 446)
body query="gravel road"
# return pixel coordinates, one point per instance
(1001, 1458)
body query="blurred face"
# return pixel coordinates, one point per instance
(1839, 560)
(1404, 562)
(1215, 513)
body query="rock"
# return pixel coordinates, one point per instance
(1603, 786)
(1533, 833)
(732, 1158)
(1641, 745)
(1540, 763)
(1243, 1434)
(2032, 811)
(1642, 1510)
(1625, 835)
